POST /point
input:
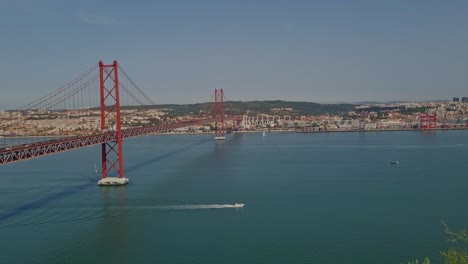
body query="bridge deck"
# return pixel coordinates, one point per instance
(43, 148)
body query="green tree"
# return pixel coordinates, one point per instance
(456, 253)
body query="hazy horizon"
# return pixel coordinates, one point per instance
(300, 101)
(178, 52)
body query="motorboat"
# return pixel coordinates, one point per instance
(238, 205)
(394, 162)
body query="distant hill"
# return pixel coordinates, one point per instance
(280, 107)
(367, 103)
(277, 107)
(395, 102)
(376, 102)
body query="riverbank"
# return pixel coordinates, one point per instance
(269, 131)
(312, 132)
(212, 133)
(379, 130)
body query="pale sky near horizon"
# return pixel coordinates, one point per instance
(179, 51)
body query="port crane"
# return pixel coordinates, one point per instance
(428, 120)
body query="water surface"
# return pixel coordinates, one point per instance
(310, 198)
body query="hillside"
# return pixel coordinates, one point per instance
(277, 107)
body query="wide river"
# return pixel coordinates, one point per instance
(309, 198)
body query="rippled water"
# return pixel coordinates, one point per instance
(310, 198)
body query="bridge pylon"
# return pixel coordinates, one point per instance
(112, 154)
(218, 112)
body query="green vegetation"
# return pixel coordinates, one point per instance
(457, 252)
(414, 110)
(282, 108)
(277, 107)
(174, 110)
(400, 109)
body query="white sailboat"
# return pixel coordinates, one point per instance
(264, 132)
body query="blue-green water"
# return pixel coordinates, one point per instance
(310, 198)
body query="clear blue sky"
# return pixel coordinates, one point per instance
(179, 51)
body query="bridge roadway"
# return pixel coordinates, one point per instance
(44, 148)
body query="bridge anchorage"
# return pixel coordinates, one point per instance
(95, 120)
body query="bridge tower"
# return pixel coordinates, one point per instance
(218, 112)
(112, 154)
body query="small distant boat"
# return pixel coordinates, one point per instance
(220, 138)
(264, 133)
(238, 205)
(95, 168)
(394, 162)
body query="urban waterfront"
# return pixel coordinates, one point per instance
(310, 198)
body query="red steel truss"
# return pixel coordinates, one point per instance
(218, 112)
(111, 134)
(112, 154)
(39, 149)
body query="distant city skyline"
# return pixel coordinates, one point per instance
(179, 51)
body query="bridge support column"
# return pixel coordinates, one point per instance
(218, 112)
(112, 154)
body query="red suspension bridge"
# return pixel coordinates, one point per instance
(79, 99)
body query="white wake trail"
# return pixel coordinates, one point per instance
(141, 207)
(197, 206)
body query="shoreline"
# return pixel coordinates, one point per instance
(322, 131)
(271, 131)
(382, 130)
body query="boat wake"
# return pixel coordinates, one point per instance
(55, 215)
(139, 208)
(199, 206)
(175, 207)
